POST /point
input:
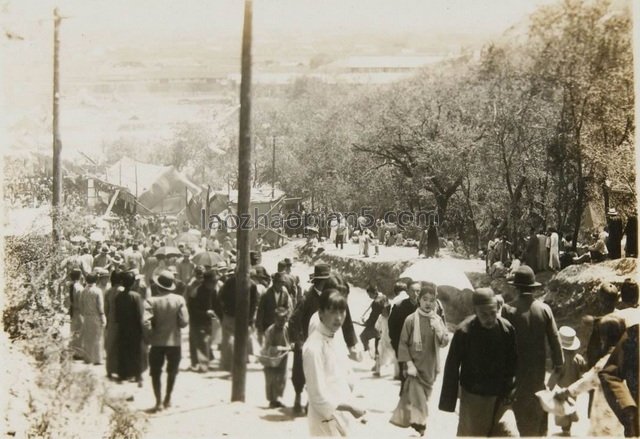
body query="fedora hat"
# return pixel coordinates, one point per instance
(287, 262)
(165, 280)
(524, 277)
(568, 339)
(321, 271)
(104, 249)
(612, 211)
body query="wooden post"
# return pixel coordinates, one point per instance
(57, 145)
(239, 368)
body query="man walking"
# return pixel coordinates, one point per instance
(164, 315)
(535, 326)
(276, 296)
(203, 305)
(481, 367)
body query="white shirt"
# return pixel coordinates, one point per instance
(399, 298)
(326, 373)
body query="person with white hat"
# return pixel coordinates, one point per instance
(572, 369)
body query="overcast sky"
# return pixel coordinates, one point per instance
(147, 20)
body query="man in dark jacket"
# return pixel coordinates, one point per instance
(202, 305)
(277, 295)
(299, 324)
(481, 366)
(614, 243)
(227, 297)
(535, 327)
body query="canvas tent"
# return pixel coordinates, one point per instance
(160, 189)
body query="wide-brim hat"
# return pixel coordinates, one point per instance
(287, 262)
(568, 339)
(117, 259)
(104, 249)
(321, 271)
(524, 277)
(165, 280)
(612, 211)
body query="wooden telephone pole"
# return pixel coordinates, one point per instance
(239, 366)
(57, 145)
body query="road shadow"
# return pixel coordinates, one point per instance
(285, 414)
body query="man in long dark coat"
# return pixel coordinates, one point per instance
(535, 327)
(433, 242)
(631, 230)
(227, 297)
(128, 312)
(614, 243)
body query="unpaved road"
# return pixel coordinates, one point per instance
(201, 407)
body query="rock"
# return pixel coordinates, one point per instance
(572, 290)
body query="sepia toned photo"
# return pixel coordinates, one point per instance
(295, 218)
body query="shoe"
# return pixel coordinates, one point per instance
(419, 428)
(298, 410)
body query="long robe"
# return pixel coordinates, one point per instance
(554, 252)
(111, 330)
(433, 244)
(543, 259)
(535, 327)
(614, 243)
(412, 407)
(631, 230)
(129, 310)
(93, 321)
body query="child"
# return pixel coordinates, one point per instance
(573, 368)
(274, 357)
(423, 334)
(386, 353)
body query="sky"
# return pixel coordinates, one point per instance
(141, 20)
(91, 28)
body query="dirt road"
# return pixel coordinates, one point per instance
(201, 406)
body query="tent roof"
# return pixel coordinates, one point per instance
(125, 172)
(260, 194)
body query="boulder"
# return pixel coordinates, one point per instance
(572, 291)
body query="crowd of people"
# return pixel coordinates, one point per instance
(130, 296)
(550, 250)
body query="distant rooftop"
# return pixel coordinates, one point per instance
(380, 62)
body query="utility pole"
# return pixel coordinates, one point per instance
(57, 145)
(239, 365)
(273, 170)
